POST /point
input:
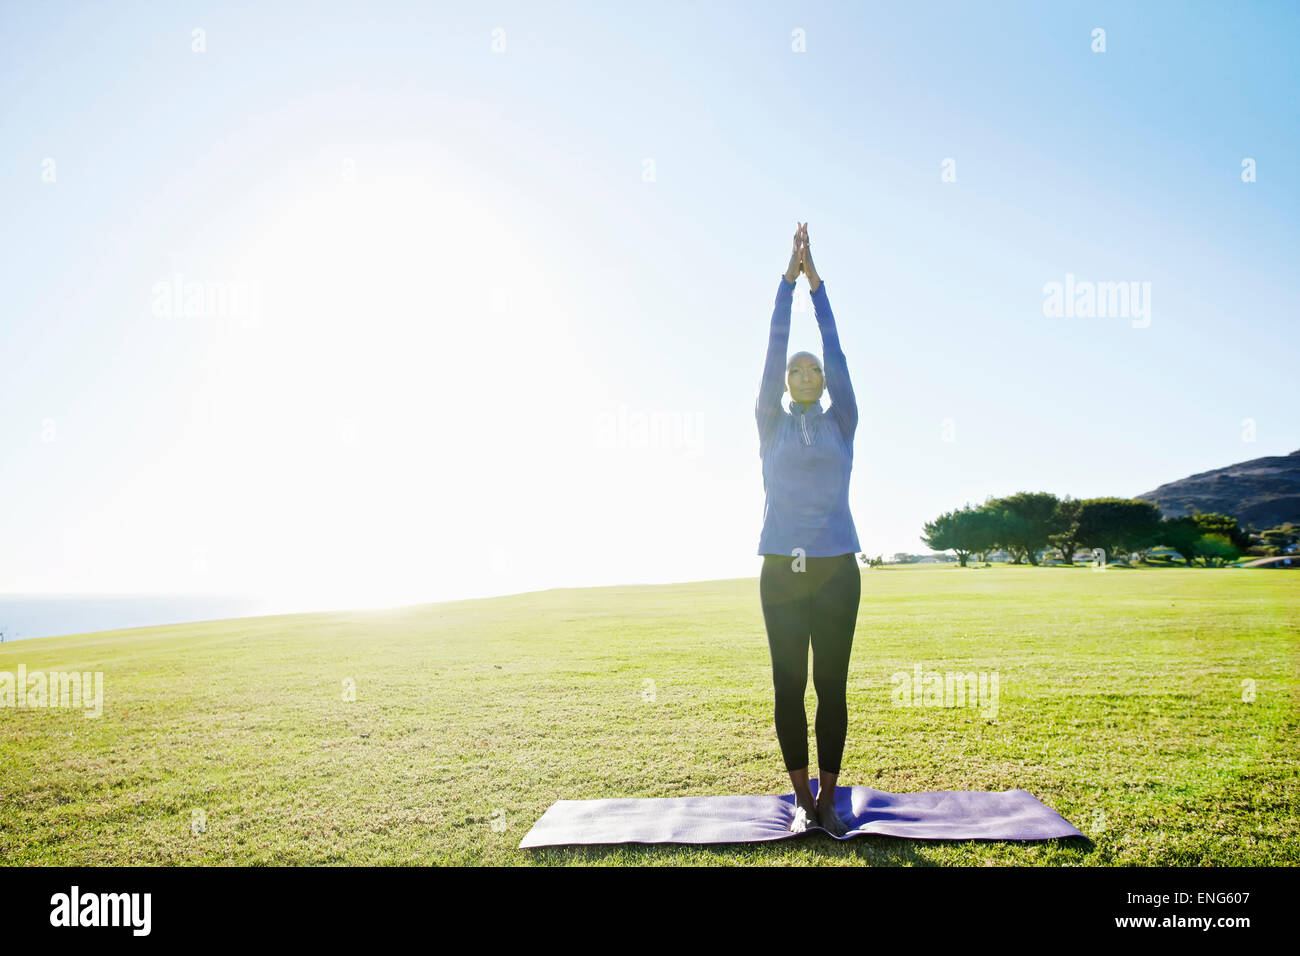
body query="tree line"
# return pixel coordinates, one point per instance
(1027, 523)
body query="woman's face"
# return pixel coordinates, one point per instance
(804, 379)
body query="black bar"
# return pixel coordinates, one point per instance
(930, 905)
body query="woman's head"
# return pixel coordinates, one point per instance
(803, 376)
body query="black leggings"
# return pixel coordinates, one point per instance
(821, 603)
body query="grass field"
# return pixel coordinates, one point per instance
(230, 742)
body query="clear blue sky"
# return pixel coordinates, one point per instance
(468, 261)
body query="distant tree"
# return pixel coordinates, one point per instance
(1212, 537)
(938, 534)
(1118, 525)
(1216, 550)
(963, 531)
(942, 534)
(1006, 529)
(982, 530)
(1225, 525)
(1066, 521)
(1204, 537)
(1142, 530)
(1028, 523)
(1181, 534)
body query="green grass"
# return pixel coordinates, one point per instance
(1120, 707)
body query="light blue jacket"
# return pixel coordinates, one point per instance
(807, 455)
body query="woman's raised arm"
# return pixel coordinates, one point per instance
(844, 404)
(767, 408)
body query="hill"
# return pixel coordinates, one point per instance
(1264, 492)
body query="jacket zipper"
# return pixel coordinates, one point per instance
(804, 427)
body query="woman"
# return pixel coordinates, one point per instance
(810, 585)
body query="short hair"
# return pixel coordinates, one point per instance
(790, 364)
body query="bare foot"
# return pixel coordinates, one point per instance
(829, 819)
(805, 815)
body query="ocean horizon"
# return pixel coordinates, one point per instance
(27, 616)
(23, 617)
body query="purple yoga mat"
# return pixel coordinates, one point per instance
(935, 815)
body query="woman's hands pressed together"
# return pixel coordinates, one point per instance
(801, 259)
(806, 262)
